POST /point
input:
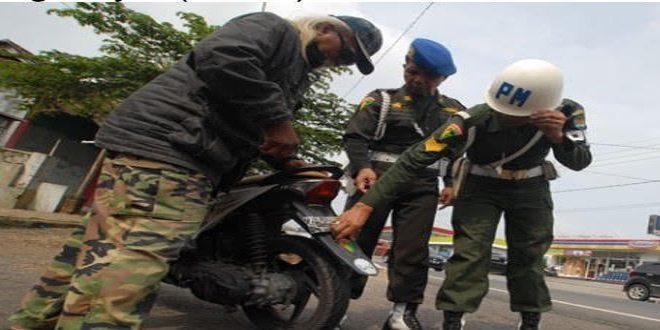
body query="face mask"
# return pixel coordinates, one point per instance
(314, 55)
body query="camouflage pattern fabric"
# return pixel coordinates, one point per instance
(109, 270)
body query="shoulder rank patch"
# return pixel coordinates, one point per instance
(451, 130)
(367, 101)
(450, 110)
(407, 98)
(431, 145)
(397, 105)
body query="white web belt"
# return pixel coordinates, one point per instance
(388, 157)
(489, 171)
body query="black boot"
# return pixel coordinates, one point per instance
(530, 321)
(402, 317)
(453, 320)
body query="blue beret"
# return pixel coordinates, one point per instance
(432, 57)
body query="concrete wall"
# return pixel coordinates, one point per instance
(10, 104)
(8, 130)
(17, 169)
(48, 197)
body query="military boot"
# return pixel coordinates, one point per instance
(529, 321)
(402, 317)
(453, 321)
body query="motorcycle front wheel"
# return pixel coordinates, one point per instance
(322, 297)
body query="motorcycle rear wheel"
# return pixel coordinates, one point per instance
(322, 298)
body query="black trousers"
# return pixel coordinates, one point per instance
(413, 215)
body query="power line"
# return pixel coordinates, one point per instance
(607, 208)
(605, 187)
(630, 143)
(623, 154)
(616, 175)
(610, 163)
(625, 158)
(350, 90)
(644, 140)
(624, 146)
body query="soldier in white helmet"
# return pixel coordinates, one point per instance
(507, 140)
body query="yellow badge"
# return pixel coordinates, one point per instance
(397, 105)
(450, 110)
(431, 145)
(407, 98)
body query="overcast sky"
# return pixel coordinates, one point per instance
(608, 53)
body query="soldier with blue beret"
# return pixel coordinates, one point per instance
(386, 123)
(432, 56)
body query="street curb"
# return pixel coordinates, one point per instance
(18, 217)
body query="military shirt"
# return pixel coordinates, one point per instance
(492, 142)
(410, 119)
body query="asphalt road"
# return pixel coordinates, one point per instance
(577, 304)
(581, 305)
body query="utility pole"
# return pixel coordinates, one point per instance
(263, 6)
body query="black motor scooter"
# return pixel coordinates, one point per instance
(241, 257)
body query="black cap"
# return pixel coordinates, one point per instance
(368, 38)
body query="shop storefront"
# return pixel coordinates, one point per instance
(592, 258)
(588, 258)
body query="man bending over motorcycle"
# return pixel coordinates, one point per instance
(194, 128)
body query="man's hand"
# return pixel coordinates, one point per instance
(446, 196)
(280, 140)
(551, 123)
(365, 178)
(349, 223)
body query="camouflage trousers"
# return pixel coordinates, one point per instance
(108, 272)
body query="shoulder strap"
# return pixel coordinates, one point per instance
(518, 153)
(384, 108)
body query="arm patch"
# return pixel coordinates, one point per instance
(367, 101)
(432, 145)
(448, 133)
(574, 112)
(577, 120)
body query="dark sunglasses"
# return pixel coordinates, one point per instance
(346, 54)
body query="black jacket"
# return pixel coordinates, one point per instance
(207, 113)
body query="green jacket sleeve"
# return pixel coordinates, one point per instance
(360, 131)
(456, 106)
(446, 141)
(574, 151)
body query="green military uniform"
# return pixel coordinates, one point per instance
(525, 202)
(408, 120)
(109, 270)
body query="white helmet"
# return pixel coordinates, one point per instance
(525, 87)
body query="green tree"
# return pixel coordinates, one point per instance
(135, 50)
